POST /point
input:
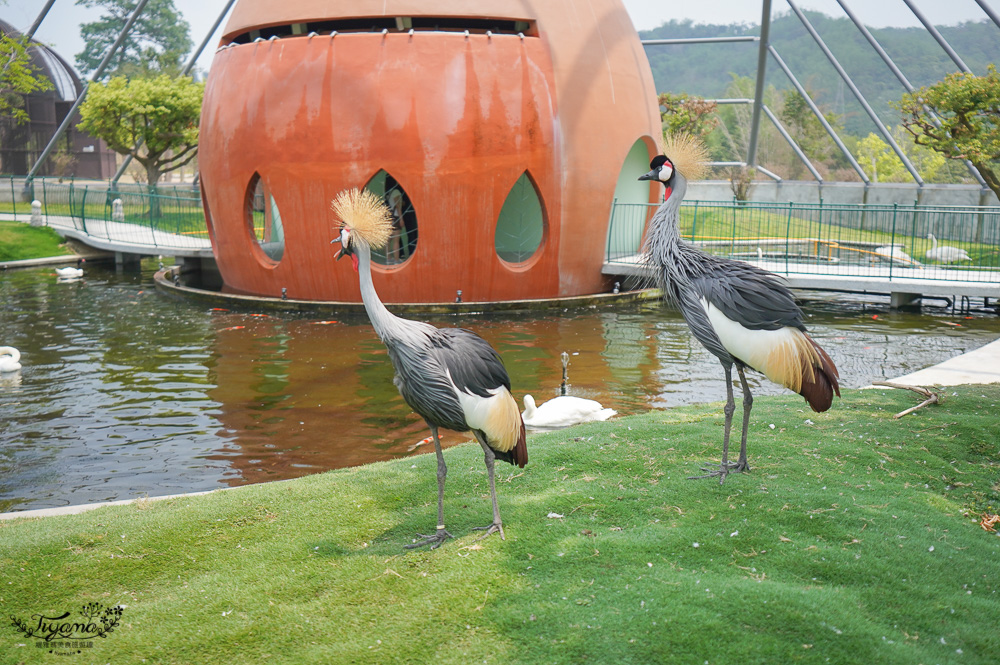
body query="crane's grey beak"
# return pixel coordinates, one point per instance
(652, 175)
(340, 252)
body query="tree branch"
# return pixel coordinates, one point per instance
(932, 397)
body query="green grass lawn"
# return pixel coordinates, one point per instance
(855, 539)
(760, 223)
(19, 241)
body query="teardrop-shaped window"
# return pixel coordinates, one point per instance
(403, 240)
(264, 219)
(521, 224)
(630, 210)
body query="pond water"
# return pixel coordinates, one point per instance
(127, 392)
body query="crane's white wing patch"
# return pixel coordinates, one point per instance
(783, 355)
(496, 416)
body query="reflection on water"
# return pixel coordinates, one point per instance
(127, 392)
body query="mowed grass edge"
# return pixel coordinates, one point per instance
(855, 539)
(19, 241)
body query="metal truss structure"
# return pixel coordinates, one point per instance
(765, 48)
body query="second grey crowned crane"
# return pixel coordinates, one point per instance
(742, 314)
(452, 377)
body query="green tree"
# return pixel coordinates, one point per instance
(735, 127)
(884, 165)
(968, 111)
(808, 132)
(877, 158)
(17, 78)
(683, 114)
(157, 43)
(736, 120)
(161, 113)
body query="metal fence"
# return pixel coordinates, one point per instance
(830, 239)
(842, 239)
(124, 213)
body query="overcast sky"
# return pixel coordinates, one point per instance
(60, 29)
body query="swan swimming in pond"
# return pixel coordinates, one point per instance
(563, 411)
(69, 272)
(945, 253)
(9, 357)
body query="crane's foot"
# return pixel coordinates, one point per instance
(496, 527)
(720, 471)
(433, 540)
(739, 466)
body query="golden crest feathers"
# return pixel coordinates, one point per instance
(365, 215)
(687, 153)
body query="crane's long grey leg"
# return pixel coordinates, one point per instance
(497, 525)
(441, 534)
(729, 409)
(741, 464)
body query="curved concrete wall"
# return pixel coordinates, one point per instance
(849, 193)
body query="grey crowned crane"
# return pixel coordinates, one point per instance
(742, 314)
(451, 377)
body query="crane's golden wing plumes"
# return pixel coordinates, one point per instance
(365, 214)
(688, 154)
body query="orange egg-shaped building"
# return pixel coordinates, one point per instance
(498, 131)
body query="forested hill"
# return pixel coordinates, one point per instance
(704, 70)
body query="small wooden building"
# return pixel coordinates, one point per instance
(499, 131)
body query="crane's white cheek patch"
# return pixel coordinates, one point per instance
(783, 355)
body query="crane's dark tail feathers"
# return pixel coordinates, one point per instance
(521, 449)
(819, 380)
(518, 455)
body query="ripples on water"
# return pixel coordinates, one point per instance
(127, 392)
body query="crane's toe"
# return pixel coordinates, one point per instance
(496, 527)
(434, 540)
(731, 467)
(720, 471)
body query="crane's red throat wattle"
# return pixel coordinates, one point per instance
(354, 261)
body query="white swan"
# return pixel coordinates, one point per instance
(563, 411)
(71, 273)
(894, 253)
(945, 253)
(9, 357)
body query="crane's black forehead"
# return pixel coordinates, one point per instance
(658, 161)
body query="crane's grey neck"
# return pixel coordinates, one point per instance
(382, 319)
(664, 235)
